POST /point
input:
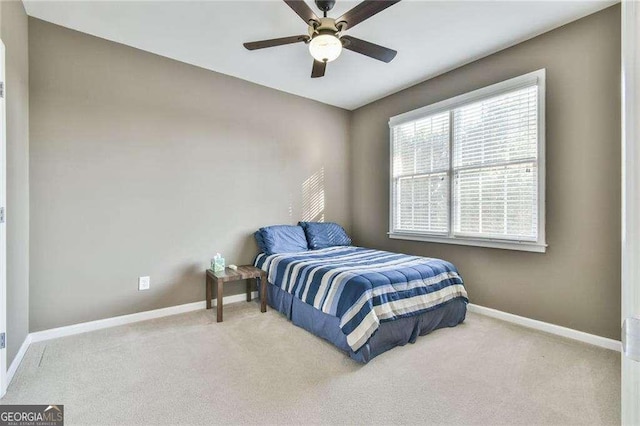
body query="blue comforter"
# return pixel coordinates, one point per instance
(364, 287)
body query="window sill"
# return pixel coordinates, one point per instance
(498, 244)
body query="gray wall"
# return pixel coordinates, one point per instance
(577, 282)
(141, 165)
(14, 34)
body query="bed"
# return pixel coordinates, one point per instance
(364, 301)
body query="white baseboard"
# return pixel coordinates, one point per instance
(85, 327)
(18, 359)
(546, 327)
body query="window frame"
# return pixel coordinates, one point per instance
(539, 246)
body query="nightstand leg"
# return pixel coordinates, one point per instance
(220, 285)
(208, 284)
(249, 282)
(263, 293)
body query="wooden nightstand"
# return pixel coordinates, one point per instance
(246, 272)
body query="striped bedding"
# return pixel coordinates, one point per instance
(364, 287)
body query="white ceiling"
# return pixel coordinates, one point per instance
(431, 37)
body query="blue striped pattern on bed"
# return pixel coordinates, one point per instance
(364, 287)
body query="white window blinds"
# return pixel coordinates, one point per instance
(421, 171)
(495, 146)
(470, 167)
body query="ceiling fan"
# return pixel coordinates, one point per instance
(326, 38)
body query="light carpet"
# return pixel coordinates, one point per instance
(260, 369)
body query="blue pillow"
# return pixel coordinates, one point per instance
(283, 239)
(260, 241)
(325, 234)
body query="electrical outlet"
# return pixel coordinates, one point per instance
(144, 283)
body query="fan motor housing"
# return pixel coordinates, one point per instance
(325, 26)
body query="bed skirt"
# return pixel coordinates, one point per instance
(390, 334)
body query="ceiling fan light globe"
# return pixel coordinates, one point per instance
(325, 47)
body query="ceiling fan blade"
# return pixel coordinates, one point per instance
(366, 48)
(365, 10)
(275, 42)
(303, 11)
(318, 69)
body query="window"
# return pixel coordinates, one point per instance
(470, 170)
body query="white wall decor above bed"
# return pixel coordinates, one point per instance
(470, 170)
